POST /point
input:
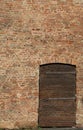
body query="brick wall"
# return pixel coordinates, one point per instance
(35, 32)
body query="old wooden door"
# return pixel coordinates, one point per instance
(57, 102)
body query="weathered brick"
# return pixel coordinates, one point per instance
(35, 32)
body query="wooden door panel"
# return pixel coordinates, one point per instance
(58, 87)
(57, 109)
(57, 101)
(56, 93)
(64, 80)
(50, 122)
(62, 104)
(59, 118)
(57, 67)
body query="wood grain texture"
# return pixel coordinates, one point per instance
(57, 104)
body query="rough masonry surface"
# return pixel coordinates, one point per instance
(35, 32)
